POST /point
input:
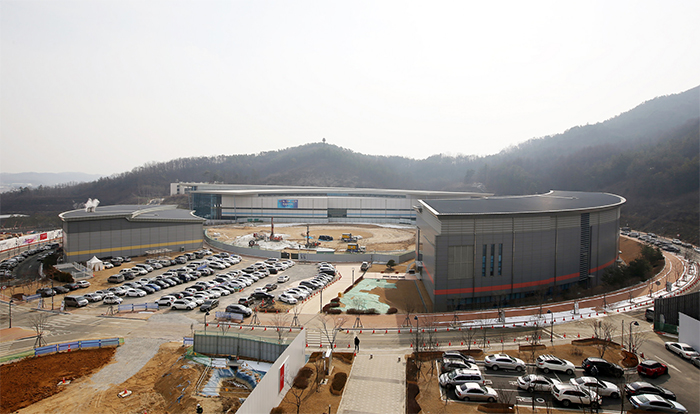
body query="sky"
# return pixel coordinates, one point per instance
(105, 86)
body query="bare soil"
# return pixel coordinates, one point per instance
(373, 238)
(316, 400)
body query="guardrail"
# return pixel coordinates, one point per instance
(63, 347)
(137, 307)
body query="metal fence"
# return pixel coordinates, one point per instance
(137, 307)
(213, 342)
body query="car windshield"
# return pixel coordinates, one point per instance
(642, 399)
(688, 348)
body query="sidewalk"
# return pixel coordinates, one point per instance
(377, 384)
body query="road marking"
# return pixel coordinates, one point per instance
(669, 365)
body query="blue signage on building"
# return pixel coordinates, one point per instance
(287, 203)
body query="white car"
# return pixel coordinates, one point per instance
(183, 304)
(473, 391)
(552, 363)
(684, 350)
(166, 300)
(221, 291)
(287, 298)
(137, 293)
(213, 294)
(282, 278)
(83, 283)
(198, 299)
(603, 388)
(93, 297)
(298, 293)
(534, 382)
(568, 394)
(504, 361)
(112, 299)
(107, 265)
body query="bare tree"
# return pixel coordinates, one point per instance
(38, 321)
(280, 320)
(330, 326)
(603, 331)
(467, 335)
(296, 392)
(409, 308)
(634, 340)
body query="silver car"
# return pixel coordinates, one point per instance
(504, 361)
(473, 391)
(534, 382)
(658, 404)
(603, 388)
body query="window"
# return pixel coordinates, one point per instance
(493, 251)
(500, 259)
(483, 261)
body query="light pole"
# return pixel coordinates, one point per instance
(11, 300)
(551, 327)
(635, 323)
(353, 276)
(205, 320)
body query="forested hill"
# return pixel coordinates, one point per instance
(649, 155)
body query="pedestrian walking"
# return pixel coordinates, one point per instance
(200, 410)
(357, 344)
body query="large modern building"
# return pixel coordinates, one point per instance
(476, 253)
(243, 203)
(129, 230)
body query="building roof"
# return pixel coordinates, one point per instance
(133, 213)
(283, 191)
(554, 201)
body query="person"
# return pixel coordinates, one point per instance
(357, 344)
(200, 410)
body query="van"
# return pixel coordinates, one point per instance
(649, 314)
(116, 278)
(75, 301)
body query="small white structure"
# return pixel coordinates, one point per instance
(95, 264)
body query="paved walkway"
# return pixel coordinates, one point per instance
(377, 384)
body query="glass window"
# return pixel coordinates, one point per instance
(493, 252)
(500, 259)
(483, 261)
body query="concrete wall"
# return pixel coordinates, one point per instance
(689, 331)
(267, 394)
(214, 342)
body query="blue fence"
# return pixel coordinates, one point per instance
(229, 316)
(186, 341)
(137, 307)
(75, 345)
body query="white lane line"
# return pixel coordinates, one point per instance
(669, 365)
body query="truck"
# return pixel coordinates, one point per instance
(365, 266)
(348, 238)
(355, 248)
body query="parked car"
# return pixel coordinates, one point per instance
(534, 382)
(597, 366)
(657, 404)
(602, 388)
(240, 309)
(683, 350)
(649, 314)
(652, 368)
(75, 301)
(455, 354)
(136, 293)
(117, 278)
(82, 284)
(642, 387)
(112, 299)
(93, 297)
(60, 289)
(568, 394)
(183, 304)
(287, 298)
(552, 363)
(45, 292)
(71, 286)
(270, 287)
(209, 304)
(473, 391)
(460, 376)
(696, 361)
(246, 301)
(166, 300)
(451, 364)
(504, 361)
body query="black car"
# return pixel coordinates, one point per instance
(598, 366)
(261, 295)
(324, 237)
(641, 387)
(60, 289)
(209, 304)
(271, 286)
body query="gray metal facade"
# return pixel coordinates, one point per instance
(480, 259)
(129, 232)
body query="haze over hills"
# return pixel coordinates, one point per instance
(12, 181)
(649, 155)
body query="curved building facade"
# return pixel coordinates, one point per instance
(480, 253)
(129, 230)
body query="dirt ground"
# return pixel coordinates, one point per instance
(155, 388)
(32, 379)
(373, 238)
(431, 400)
(317, 401)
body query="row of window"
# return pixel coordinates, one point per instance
(492, 271)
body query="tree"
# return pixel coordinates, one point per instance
(297, 388)
(603, 331)
(330, 326)
(38, 321)
(280, 321)
(390, 264)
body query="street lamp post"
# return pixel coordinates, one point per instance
(551, 327)
(205, 320)
(353, 276)
(11, 300)
(631, 348)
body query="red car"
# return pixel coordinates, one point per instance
(652, 368)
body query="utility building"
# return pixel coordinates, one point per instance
(128, 230)
(478, 253)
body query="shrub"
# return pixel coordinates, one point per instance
(277, 410)
(301, 381)
(371, 311)
(334, 311)
(339, 381)
(335, 300)
(391, 311)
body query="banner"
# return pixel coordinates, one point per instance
(282, 203)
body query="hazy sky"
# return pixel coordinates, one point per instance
(103, 86)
